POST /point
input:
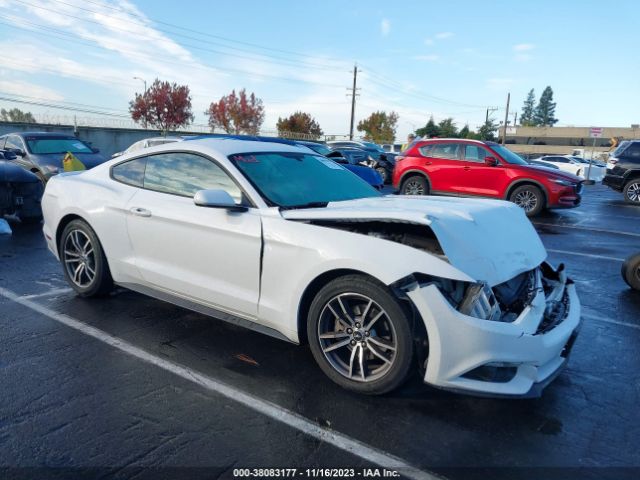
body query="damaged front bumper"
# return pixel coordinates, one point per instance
(484, 357)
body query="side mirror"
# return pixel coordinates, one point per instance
(7, 155)
(490, 161)
(18, 151)
(217, 199)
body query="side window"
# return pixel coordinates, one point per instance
(474, 153)
(186, 173)
(632, 152)
(14, 142)
(425, 151)
(2, 141)
(445, 150)
(131, 172)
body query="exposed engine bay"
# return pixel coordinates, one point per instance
(410, 234)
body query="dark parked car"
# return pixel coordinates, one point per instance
(623, 171)
(381, 161)
(20, 190)
(42, 152)
(368, 174)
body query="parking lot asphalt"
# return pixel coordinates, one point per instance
(71, 399)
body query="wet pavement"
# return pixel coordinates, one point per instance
(71, 401)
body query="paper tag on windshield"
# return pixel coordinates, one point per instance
(330, 163)
(78, 145)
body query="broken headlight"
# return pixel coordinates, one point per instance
(480, 302)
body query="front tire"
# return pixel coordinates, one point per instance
(383, 173)
(631, 271)
(84, 263)
(360, 335)
(530, 198)
(632, 192)
(415, 185)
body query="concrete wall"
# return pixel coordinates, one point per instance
(108, 140)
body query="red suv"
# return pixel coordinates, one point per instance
(483, 169)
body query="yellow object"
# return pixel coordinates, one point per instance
(71, 163)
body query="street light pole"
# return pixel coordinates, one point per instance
(144, 120)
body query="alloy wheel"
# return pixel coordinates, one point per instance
(633, 192)
(79, 258)
(357, 337)
(413, 188)
(527, 200)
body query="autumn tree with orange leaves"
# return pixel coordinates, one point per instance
(237, 113)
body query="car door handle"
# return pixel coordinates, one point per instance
(140, 212)
(466, 168)
(428, 163)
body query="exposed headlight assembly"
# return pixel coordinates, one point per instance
(480, 302)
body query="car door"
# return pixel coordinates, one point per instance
(441, 162)
(477, 178)
(208, 255)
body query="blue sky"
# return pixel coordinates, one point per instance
(417, 58)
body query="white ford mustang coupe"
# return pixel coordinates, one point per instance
(283, 241)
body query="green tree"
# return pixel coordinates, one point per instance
(448, 128)
(528, 110)
(487, 130)
(16, 115)
(430, 130)
(546, 109)
(379, 127)
(299, 122)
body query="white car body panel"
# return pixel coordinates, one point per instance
(256, 265)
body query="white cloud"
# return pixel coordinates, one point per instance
(428, 41)
(385, 27)
(29, 89)
(444, 35)
(523, 47)
(427, 58)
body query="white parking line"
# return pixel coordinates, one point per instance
(276, 412)
(589, 255)
(600, 318)
(588, 229)
(49, 293)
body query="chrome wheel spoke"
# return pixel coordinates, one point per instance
(378, 354)
(344, 310)
(374, 320)
(351, 359)
(70, 253)
(382, 344)
(336, 345)
(361, 361)
(338, 334)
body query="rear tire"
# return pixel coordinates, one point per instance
(631, 271)
(631, 192)
(83, 261)
(360, 335)
(415, 185)
(530, 198)
(383, 173)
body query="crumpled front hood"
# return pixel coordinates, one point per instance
(489, 240)
(12, 173)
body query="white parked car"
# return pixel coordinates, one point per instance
(576, 165)
(281, 240)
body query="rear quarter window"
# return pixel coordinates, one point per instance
(131, 172)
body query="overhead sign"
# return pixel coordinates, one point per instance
(596, 132)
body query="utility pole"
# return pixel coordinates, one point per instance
(353, 100)
(515, 118)
(489, 109)
(506, 119)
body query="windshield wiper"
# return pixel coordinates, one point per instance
(306, 205)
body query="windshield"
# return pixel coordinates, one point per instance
(508, 155)
(319, 148)
(300, 179)
(373, 146)
(45, 145)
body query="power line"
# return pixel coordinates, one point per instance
(273, 58)
(57, 34)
